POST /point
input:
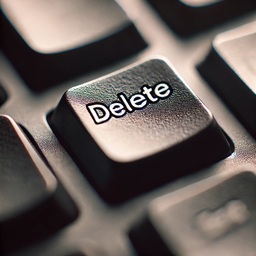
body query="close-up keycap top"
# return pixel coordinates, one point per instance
(136, 129)
(52, 41)
(33, 203)
(230, 68)
(188, 17)
(218, 218)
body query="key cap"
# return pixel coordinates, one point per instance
(137, 129)
(52, 41)
(188, 17)
(220, 220)
(230, 68)
(33, 204)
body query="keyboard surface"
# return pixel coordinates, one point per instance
(126, 132)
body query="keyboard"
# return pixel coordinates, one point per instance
(127, 127)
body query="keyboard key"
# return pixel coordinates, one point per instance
(220, 220)
(33, 203)
(137, 129)
(230, 68)
(187, 17)
(52, 41)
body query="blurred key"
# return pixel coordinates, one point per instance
(230, 68)
(187, 17)
(137, 129)
(52, 41)
(33, 203)
(220, 220)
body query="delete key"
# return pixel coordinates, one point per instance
(137, 129)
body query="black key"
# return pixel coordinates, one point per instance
(187, 17)
(33, 203)
(51, 41)
(230, 68)
(218, 220)
(136, 129)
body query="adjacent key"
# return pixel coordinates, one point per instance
(33, 204)
(188, 17)
(230, 68)
(136, 129)
(220, 220)
(52, 41)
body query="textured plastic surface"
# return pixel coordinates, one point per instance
(159, 129)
